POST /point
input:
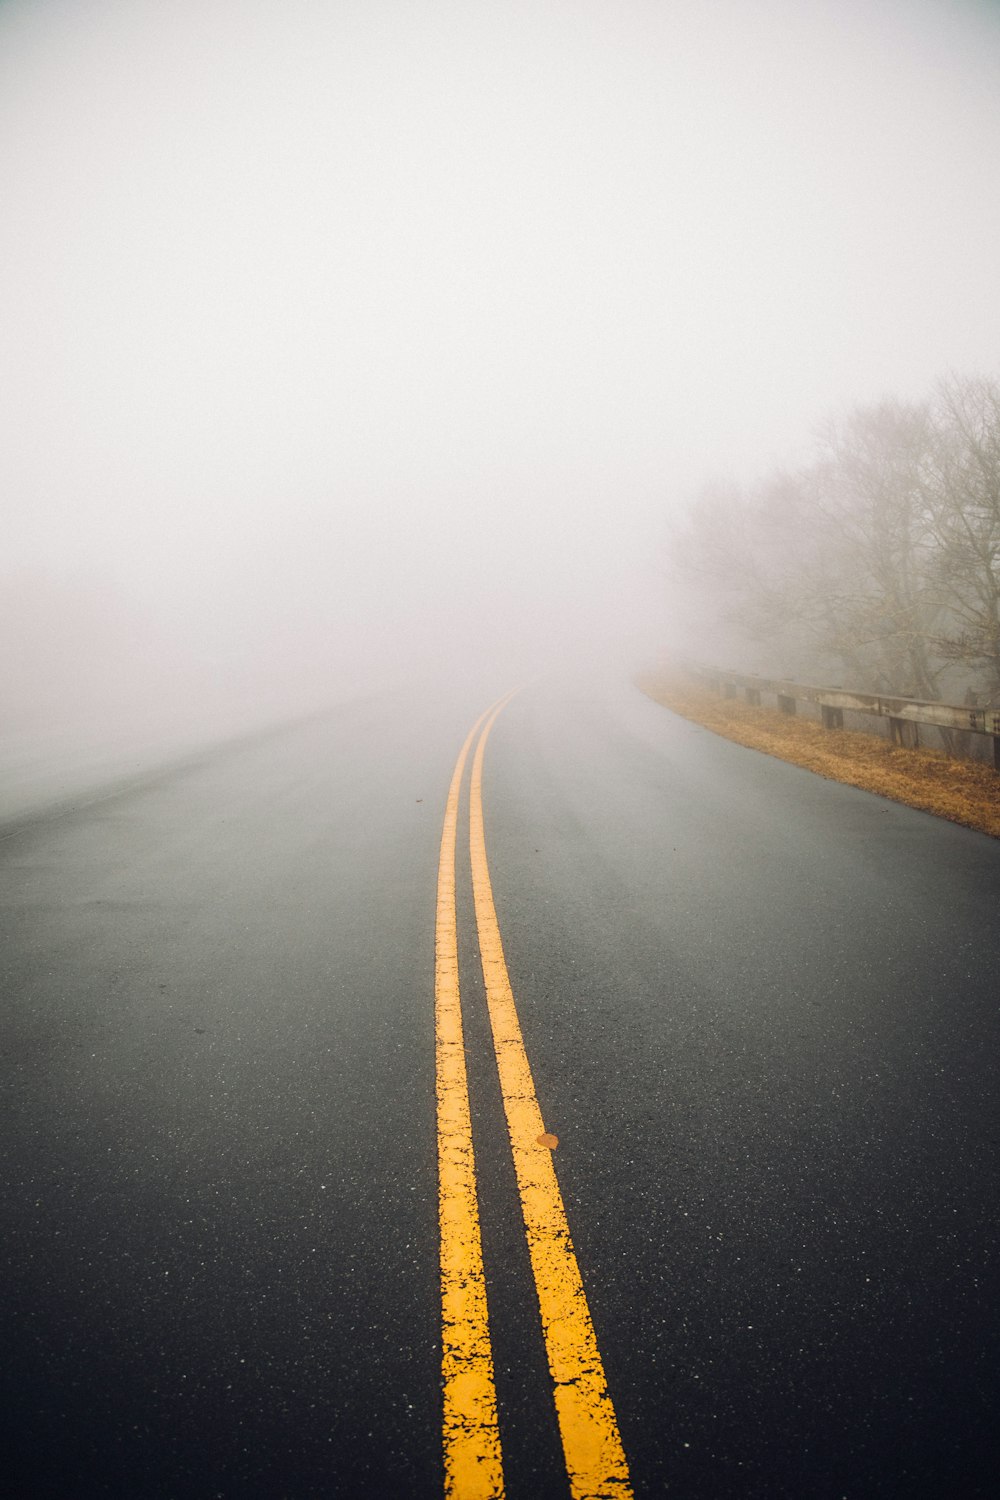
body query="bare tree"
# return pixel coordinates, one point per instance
(709, 557)
(963, 505)
(876, 544)
(833, 559)
(880, 560)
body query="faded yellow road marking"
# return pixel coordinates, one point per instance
(472, 1459)
(595, 1459)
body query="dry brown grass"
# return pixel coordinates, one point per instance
(962, 791)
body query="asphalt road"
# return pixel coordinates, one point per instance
(761, 1011)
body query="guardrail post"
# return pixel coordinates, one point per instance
(904, 733)
(833, 718)
(786, 703)
(753, 696)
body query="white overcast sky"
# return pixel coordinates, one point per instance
(387, 323)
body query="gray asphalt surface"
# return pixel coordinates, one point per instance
(762, 1014)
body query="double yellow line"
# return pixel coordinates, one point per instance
(473, 1461)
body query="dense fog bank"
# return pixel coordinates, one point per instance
(357, 344)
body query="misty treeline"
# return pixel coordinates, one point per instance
(875, 566)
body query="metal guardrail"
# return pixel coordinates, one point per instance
(904, 714)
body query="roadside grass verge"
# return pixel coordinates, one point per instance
(963, 791)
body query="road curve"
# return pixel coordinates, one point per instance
(760, 1012)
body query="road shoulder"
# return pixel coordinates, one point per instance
(964, 792)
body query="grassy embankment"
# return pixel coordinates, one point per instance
(964, 791)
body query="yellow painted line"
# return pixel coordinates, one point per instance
(595, 1459)
(472, 1459)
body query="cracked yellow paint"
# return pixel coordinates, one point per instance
(595, 1459)
(472, 1458)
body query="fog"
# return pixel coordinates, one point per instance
(356, 343)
